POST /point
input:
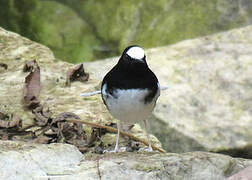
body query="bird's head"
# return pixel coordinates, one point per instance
(133, 54)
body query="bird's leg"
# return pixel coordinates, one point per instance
(117, 138)
(148, 137)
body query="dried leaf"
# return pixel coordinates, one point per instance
(10, 122)
(32, 89)
(42, 140)
(80, 138)
(133, 146)
(72, 133)
(30, 66)
(76, 74)
(5, 66)
(40, 120)
(83, 149)
(42, 116)
(93, 138)
(52, 134)
(99, 149)
(3, 116)
(64, 116)
(46, 112)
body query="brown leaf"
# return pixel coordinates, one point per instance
(133, 146)
(83, 149)
(52, 135)
(64, 116)
(71, 133)
(42, 140)
(30, 66)
(76, 74)
(3, 116)
(93, 137)
(32, 89)
(5, 66)
(46, 112)
(99, 149)
(10, 122)
(42, 115)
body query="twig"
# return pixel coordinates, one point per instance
(114, 130)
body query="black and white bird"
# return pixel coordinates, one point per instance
(130, 90)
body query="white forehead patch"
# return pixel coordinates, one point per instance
(136, 53)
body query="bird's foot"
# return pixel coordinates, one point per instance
(149, 149)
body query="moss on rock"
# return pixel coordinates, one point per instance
(80, 31)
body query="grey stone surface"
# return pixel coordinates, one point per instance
(61, 161)
(20, 160)
(15, 51)
(208, 105)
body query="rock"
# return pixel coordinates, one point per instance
(208, 103)
(207, 107)
(20, 160)
(79, 30)
(62, 161)
(209, 100)
(245, 174)
(15, 52)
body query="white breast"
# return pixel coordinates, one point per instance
(128, 105)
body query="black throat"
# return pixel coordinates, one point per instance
(130, 74)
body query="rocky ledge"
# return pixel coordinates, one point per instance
(208, 103)
(62, 161)
(206, 107)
